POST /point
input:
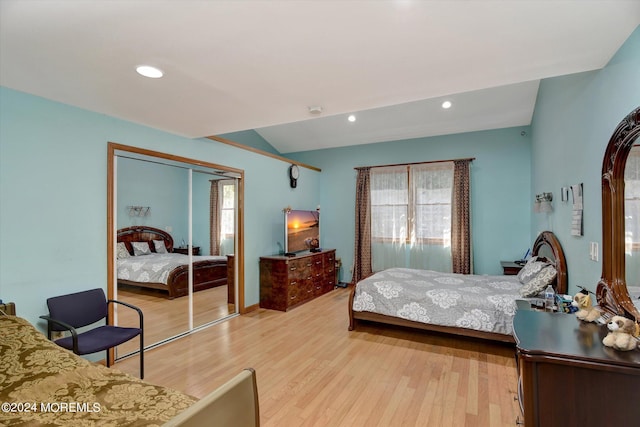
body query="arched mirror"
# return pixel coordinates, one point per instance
(620, 209)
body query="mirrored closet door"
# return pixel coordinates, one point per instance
(174, 234)
(214, 233)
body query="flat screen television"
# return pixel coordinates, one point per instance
(302, 231)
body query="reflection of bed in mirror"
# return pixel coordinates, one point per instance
(169, 271)
(478, 306)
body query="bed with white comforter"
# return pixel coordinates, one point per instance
(485, 303)
(155, 268)
(479, 306)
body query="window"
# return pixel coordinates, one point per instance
(412, 203)
(227, 209)
(432, 184)
(390, 204)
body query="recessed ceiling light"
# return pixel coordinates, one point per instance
(446, 104)
(149, 71)
(315, 109)
(351, 118)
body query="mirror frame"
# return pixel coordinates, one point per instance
(612, 293)
(112, 147)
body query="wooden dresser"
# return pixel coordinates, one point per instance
(567, 377)
(289, 281)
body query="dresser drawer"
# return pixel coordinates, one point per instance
(289, 281)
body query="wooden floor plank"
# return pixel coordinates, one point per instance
(312, 371)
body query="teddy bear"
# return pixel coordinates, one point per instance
(622, 334)
(586, 311)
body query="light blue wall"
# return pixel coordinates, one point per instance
(251, 138)
(163, 188)
(500, 189)
(53, 181)
(574, 118)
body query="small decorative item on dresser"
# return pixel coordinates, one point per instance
(549, 298)
(586, 311)
(622, 334)
(564, 303)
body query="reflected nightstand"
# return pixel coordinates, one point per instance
(510, 268)
(185, 250)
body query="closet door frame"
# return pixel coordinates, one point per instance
(112, 149)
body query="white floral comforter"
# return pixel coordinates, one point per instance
(484, 303)
(155, 268)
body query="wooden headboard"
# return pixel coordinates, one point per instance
(548, 246)
(140, 233)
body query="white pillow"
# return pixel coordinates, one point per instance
(122, 251)
(141, 248)
(159, 246)
(530, 269)
(539, 282)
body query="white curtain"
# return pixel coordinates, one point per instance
(389, 217)
(411, 216)
(227, 191)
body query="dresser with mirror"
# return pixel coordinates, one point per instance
(566, 376)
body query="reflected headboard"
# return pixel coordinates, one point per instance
(140, 233)
(548, 246)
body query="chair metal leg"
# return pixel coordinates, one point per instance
(108, 357)
(141, 357)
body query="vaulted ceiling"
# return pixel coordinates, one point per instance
(238, 65)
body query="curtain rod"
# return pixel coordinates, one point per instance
(415, 163)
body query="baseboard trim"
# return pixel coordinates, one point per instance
(251, 308)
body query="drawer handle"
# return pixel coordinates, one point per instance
(293, 268)
(309, 290)
(292, 297)
(294, 283)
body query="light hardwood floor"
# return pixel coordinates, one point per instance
(164, 317)
(313, 372)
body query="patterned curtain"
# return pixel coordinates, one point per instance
(460, 218)
(362, 255)
(214, 218)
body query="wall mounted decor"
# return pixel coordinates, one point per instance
(578, 208)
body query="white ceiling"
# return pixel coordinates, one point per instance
(238, 65)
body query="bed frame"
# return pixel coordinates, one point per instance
(206, 274)
(546, 245)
